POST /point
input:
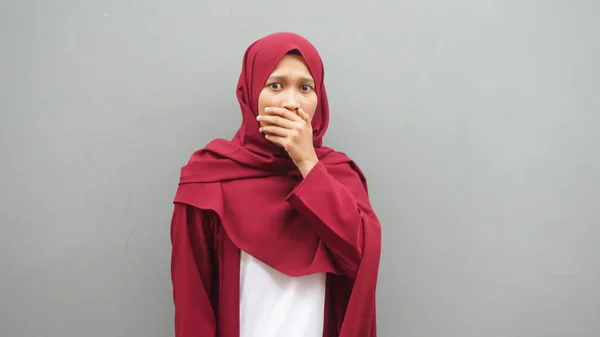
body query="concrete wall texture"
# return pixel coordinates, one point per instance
(476, 123)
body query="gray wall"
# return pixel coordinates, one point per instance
(475, 122)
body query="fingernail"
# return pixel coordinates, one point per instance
(258, 117)
(259, 129)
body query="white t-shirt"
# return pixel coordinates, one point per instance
(275, 305)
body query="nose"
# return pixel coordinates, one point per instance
(290, 101)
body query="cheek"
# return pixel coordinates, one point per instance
(261, 105)
(310, 106)
(263, 101)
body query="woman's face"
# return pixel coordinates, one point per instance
(289, 86)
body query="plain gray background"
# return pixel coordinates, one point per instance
(475, 121)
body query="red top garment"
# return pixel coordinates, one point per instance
(247, 194)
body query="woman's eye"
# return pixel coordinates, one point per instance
(305, 87)
(275, 86)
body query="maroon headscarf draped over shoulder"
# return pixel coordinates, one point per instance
(245, 180)
(249, 154)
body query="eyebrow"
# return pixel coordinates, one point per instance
(306, 79)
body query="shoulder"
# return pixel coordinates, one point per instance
(334, 158)
(344, 168)
(216, 148)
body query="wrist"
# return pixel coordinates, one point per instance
(307, 165)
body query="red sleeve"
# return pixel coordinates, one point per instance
(193, 272)
(338, 208)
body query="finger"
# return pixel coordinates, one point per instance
(276, 120)
(283, 112)
(279, 141)
(274, 130)
(304, 115)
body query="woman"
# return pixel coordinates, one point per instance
(273, 234)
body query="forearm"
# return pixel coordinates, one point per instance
(334, 213)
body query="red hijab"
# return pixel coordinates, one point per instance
(249, 154)
(246, 180)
